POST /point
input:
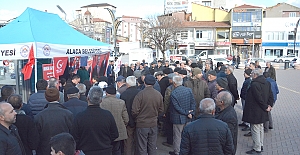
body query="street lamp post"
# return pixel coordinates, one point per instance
(62, 11)
(295, 35)
(115, 22)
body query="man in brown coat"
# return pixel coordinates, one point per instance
(199, 87)
(146, 106)
(118, 110)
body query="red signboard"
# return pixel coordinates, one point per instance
(47, 71)
(223, 43)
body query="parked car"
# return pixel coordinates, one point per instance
(261, 61)
(223, 60)
(284, 58)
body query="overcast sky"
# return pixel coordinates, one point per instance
(12, 8)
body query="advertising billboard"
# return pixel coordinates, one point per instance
(176, 5)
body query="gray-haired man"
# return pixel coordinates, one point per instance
(207, 134)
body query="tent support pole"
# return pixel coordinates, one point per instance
(35, 73)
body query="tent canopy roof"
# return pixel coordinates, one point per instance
(37, 26)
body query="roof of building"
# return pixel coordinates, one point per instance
(99, 20)
(129, 17)
(205, 24)
(98, 5)
(87, 12)
(279, 4)
(246, 6)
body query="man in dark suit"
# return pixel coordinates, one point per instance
(110, 73)
(128, 96)
(74, 104)
(94, 129)
(126, 71)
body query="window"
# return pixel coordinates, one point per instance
(276, 35)
(206, 3)
(270, 36)
(198, 34)
(292, 14)
(281, 35)
(222, 35)
(291, 36)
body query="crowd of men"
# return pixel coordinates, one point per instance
(191, 105)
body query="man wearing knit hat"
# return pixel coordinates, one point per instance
(164, 82)
(146, 107)
(54, 119)
(222, 85)
(74, 104)
(118, 110)
(183, 74)
(198, 86)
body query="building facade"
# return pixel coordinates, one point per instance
(130, 28)
(279, 24)
(279, 40)
(281, 10)
(246, 33)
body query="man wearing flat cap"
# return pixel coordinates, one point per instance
(121, 84)
(198, 86)
(212, 81)
(146, 107)
(118, 110)
(74, 104)
(54, 119)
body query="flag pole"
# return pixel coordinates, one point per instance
(35, 66)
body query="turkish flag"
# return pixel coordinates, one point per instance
(59, 65)
(27, 69)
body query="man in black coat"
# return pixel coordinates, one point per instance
(259, 101)
(10, 141)
(94, 129)
(227, 114)
(37, 101)
(74, 104)
(26, 128)
(206, 135)
(54, 119)
(128, 96)
(125, 71)
(164, 82)
(232, 83)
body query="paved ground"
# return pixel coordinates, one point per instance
(284, 139)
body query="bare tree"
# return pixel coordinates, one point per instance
(162, 29)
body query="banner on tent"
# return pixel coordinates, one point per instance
(15, 51)
(99, 65)
(59, 65)
(47, 71)
(45, 50)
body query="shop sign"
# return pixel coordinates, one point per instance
(223, 43)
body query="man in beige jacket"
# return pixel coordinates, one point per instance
(118, 109)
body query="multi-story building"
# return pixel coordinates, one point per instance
(204, 29)
(246, 36)
(130, 28)
(279, 23)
